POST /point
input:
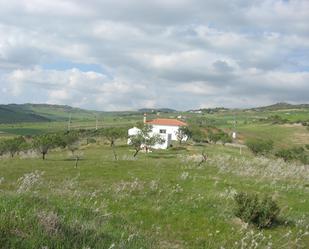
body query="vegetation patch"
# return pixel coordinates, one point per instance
(260, 212)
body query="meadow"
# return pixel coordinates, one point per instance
(159, 200)
(164, 199)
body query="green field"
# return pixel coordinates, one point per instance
(161, 200)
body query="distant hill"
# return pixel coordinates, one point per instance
(280, 106)
(208, 110)
(17, 113)
(154, 110)
(14, 113)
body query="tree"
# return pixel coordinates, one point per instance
(71, 140)
(14, 145)
(112, 134)
(145, 139)
(204, 158)
(182, 133)
(219, 136)
(225, 138)
(213, 137)
(44, 143)
(74, 148)
(197, 134)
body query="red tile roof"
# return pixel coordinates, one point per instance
(166, 121)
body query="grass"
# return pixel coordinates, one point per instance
(282, 135)
(161, 200)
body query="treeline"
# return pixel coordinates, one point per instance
(69, 139)
(203, 130)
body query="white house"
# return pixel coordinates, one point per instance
(166, 128)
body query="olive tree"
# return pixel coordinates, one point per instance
(182, 133)
(71, 141)
(14, 145)
(112, 134)
(219, 136)
(197, 134)
(44, 143)
(144, 138)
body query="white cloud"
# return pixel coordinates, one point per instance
(180, 54)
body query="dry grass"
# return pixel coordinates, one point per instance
(49, 221)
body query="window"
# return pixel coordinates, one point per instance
(162, 131)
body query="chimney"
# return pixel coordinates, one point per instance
(145, 118)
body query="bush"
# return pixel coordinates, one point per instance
(91, 141)
(2, 148)
(197, 134)
(260, 146)
(285, 154)
(261, 213)
(219, 136)
(296, 153)
(276, 119)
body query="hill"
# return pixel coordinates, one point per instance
(16, 113)
(154, 110)
(280, 106)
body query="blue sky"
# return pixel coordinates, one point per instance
(129, 54)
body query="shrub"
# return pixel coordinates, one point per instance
(285, 154)
(197, 134)
(91, 141)
(2, 148)
(262, 213)
(219, 136)
(225, 138)
(276, 119)
(260, 146)
(296, 153)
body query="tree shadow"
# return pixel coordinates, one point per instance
(66, 159)
(73, 160)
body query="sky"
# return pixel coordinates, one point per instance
(127, 54)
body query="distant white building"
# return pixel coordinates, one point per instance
(234, 135)
(166, 128)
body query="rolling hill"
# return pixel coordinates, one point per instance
(15, 113)
(281, 106)
(154, 110)
(11, 114)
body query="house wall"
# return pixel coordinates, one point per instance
(131, 132)
(166, 144)
(169, 130)
(170, 135)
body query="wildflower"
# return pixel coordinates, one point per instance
(27, 181)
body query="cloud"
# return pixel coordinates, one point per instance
(113, 55)
(75, 87)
